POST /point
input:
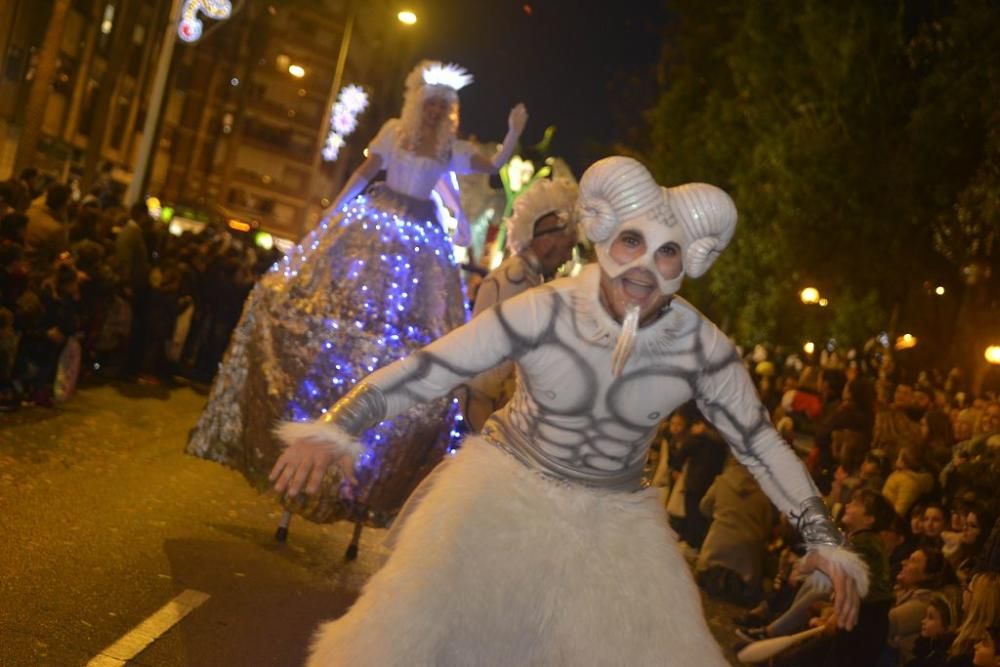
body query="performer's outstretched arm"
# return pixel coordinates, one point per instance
(502, 333)
(516, 121)
(727, 397)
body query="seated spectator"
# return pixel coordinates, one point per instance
(848, 407)
(909, 481)
(938, 439)
(923, 574)
(865, 516)
(981, 603)
(935, 521)
(894, 428)
(849, 451)
(987, 649)
(937, 632)
(703, 453)
(973, 541)
(730, 562)
(874, 471)
(804, 404)
(899, 544)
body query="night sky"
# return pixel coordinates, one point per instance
(586, 67)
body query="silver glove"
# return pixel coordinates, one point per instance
(815, 525)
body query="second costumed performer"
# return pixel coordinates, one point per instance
(535, 544)
(375, 281)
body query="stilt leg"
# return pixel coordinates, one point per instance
(352, 549)
(281, 535)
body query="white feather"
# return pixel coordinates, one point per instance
(847, 562)
(626, 341)
(449, 75)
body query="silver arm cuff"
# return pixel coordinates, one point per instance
(815, 525)
(358, 410)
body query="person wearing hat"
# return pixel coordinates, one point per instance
(535, 544)
(541, 233)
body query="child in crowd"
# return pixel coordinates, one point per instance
(937, 631)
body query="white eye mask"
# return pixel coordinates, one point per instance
(657, 228)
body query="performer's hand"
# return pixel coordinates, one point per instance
(846, 601)
(517, 119)
(302, 466)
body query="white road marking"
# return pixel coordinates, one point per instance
(138, 638)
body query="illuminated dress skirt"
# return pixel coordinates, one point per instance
(499, 565)
(370, 285)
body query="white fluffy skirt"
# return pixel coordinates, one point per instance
(497, 565)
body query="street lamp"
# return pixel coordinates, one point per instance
(939, 290)
(823, 303)
(298, 71)
(407, 17)
(992, 354)
(809, 347)
(906, 341)
(809, 295)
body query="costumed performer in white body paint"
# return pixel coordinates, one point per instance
(535, 544)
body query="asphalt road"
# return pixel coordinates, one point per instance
(105, 520)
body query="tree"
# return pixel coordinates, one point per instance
(828, 126)
(38, 96)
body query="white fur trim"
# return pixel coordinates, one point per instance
(497, 565)
(331, 436)
(845, 560)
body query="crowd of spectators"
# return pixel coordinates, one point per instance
(908, 467)
(88, 284)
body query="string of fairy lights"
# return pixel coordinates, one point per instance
(378, 324)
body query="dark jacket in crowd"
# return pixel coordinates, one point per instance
(133, 259)
(931, 652)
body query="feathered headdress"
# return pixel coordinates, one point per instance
(541, 198)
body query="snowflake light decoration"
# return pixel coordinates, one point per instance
(342, 120)
(334, 142)
(351, 101)
(353, 98)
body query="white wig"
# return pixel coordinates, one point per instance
(427, 80)
(543, 197)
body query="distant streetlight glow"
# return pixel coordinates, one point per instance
(906, 341)
(407, 17)
(823, 303)
(993, 354)
(809, 347)
(809, 295)
(298, 71)
(939, 290)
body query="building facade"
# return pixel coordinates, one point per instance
(242, 120)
